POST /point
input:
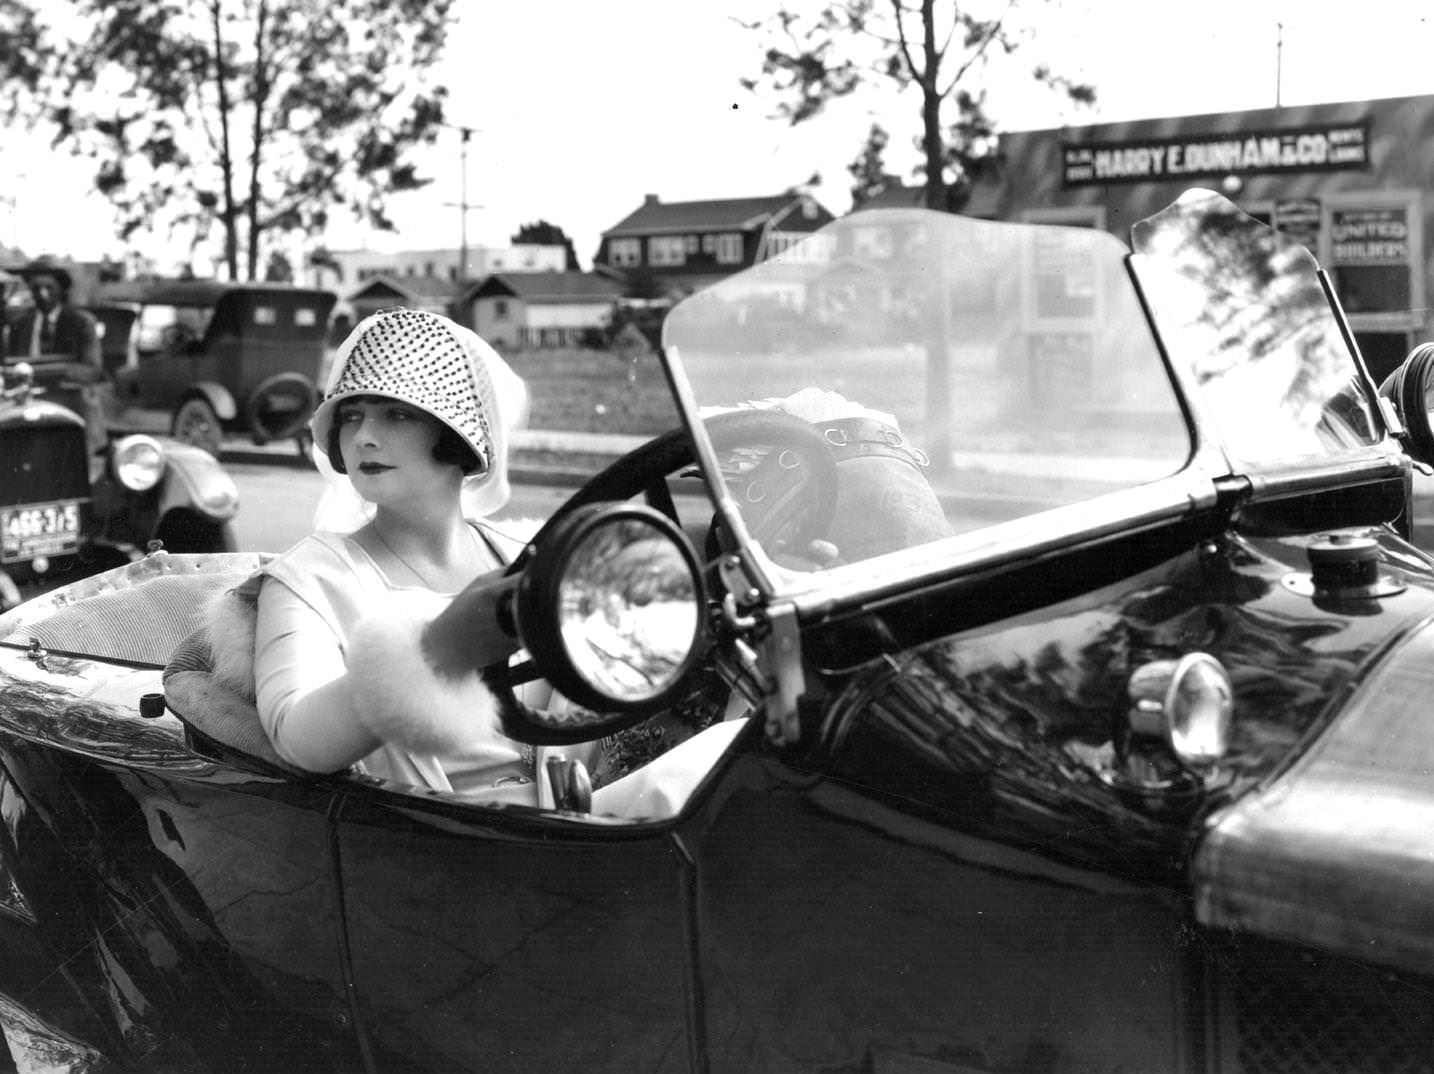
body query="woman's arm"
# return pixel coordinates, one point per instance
(304, 694)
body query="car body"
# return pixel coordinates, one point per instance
(202, 358)
(1056, 601)
(65, 513)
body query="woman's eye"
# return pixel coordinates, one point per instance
(400, 414)
(348, 417)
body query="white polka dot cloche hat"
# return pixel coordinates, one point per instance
(427, 361)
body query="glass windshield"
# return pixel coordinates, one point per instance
(157, 323)
(965, 372)
(1243, 309)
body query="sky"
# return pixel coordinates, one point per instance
(579, 109)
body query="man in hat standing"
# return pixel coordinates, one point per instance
(53, 331)
(52, 328)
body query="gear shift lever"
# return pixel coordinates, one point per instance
(571, 786)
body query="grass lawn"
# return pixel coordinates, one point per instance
(594, 392)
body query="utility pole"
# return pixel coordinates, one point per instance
(1279, 57)
(462, 204)
(467, 133)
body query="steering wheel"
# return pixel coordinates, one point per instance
(779, 466)
(176, 336)
(785, 472)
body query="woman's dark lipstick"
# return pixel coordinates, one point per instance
(373, 467)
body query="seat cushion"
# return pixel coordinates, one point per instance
(219, 713)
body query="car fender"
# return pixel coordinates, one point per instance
(194, 480)
(9, 592)
(217, 396)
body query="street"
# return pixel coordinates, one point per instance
(277, 500)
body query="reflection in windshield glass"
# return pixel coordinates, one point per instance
(1242, 305)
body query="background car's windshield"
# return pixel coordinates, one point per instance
(1017, 362)
(156, 320)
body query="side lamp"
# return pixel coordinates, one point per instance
(1176, 726)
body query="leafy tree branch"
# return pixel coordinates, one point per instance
(818, 53)
(260, 118)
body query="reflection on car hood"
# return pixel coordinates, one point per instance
(1336, 851)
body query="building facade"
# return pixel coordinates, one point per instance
(1351, 180)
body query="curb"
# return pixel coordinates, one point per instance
(552, 470)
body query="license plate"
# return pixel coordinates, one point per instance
(39, 529)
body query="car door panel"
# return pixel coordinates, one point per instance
(204, 912)
(492, 939)
(839, 932)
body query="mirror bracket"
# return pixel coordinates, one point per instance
(781, 648)
(1392, 421)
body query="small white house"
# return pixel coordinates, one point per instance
(531, 310)
(347, 270)
(431, 293)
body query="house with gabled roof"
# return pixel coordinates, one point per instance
(684, 246)
(893, 194)
(433, 293)
(527, 310)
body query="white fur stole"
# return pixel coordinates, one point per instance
(397, 694)
(403, 700)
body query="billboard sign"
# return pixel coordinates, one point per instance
(1324, 147)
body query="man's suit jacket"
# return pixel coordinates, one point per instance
(74, 336)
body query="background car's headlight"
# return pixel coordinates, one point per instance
(137, 462)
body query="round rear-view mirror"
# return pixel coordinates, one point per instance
(611, 608)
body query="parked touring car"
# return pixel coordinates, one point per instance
(65, 514)
(198, 358)
(1058, 594)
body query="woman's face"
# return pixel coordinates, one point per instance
(387, 448)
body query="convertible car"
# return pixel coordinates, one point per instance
(1052, 604)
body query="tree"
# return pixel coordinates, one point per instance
(868, 170)
(258, 116)
(940, 47)
(542, 233)
(279, 269)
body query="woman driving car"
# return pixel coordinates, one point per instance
(354, 663)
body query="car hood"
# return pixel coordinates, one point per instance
(1335, 851)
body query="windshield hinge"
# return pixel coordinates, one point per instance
(1390, 414)
(774, 633)
(781, 647)
(1232, 490)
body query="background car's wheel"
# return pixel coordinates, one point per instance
(280, 407)
(196, 423)
(183, 530)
